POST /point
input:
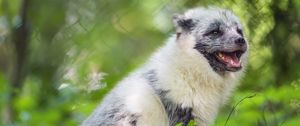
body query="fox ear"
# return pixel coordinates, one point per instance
(182, 24)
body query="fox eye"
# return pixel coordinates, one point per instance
(216, 32)
(240, 31)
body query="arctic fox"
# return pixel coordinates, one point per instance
(188, 78)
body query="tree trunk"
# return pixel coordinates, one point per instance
(20, 38)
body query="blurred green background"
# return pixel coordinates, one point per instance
(58, 58)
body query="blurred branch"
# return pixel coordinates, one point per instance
(20, 40)
(235, 106)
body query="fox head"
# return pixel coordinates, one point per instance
(217, 35)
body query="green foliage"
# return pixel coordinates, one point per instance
(79, 49)
(191, 123)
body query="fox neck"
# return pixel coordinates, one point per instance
(185, 73)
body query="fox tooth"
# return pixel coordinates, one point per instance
(221, 55)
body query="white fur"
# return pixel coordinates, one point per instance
(188, 77)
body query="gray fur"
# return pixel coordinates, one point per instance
(176, 113)
(110, 113)
(185, 24)
(222, 32)
(203, 90)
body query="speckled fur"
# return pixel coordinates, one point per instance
(183, 80)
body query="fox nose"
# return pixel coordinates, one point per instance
(240, 41)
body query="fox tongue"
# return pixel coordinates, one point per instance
(232, 60)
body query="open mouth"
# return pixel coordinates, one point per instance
(230, 59)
